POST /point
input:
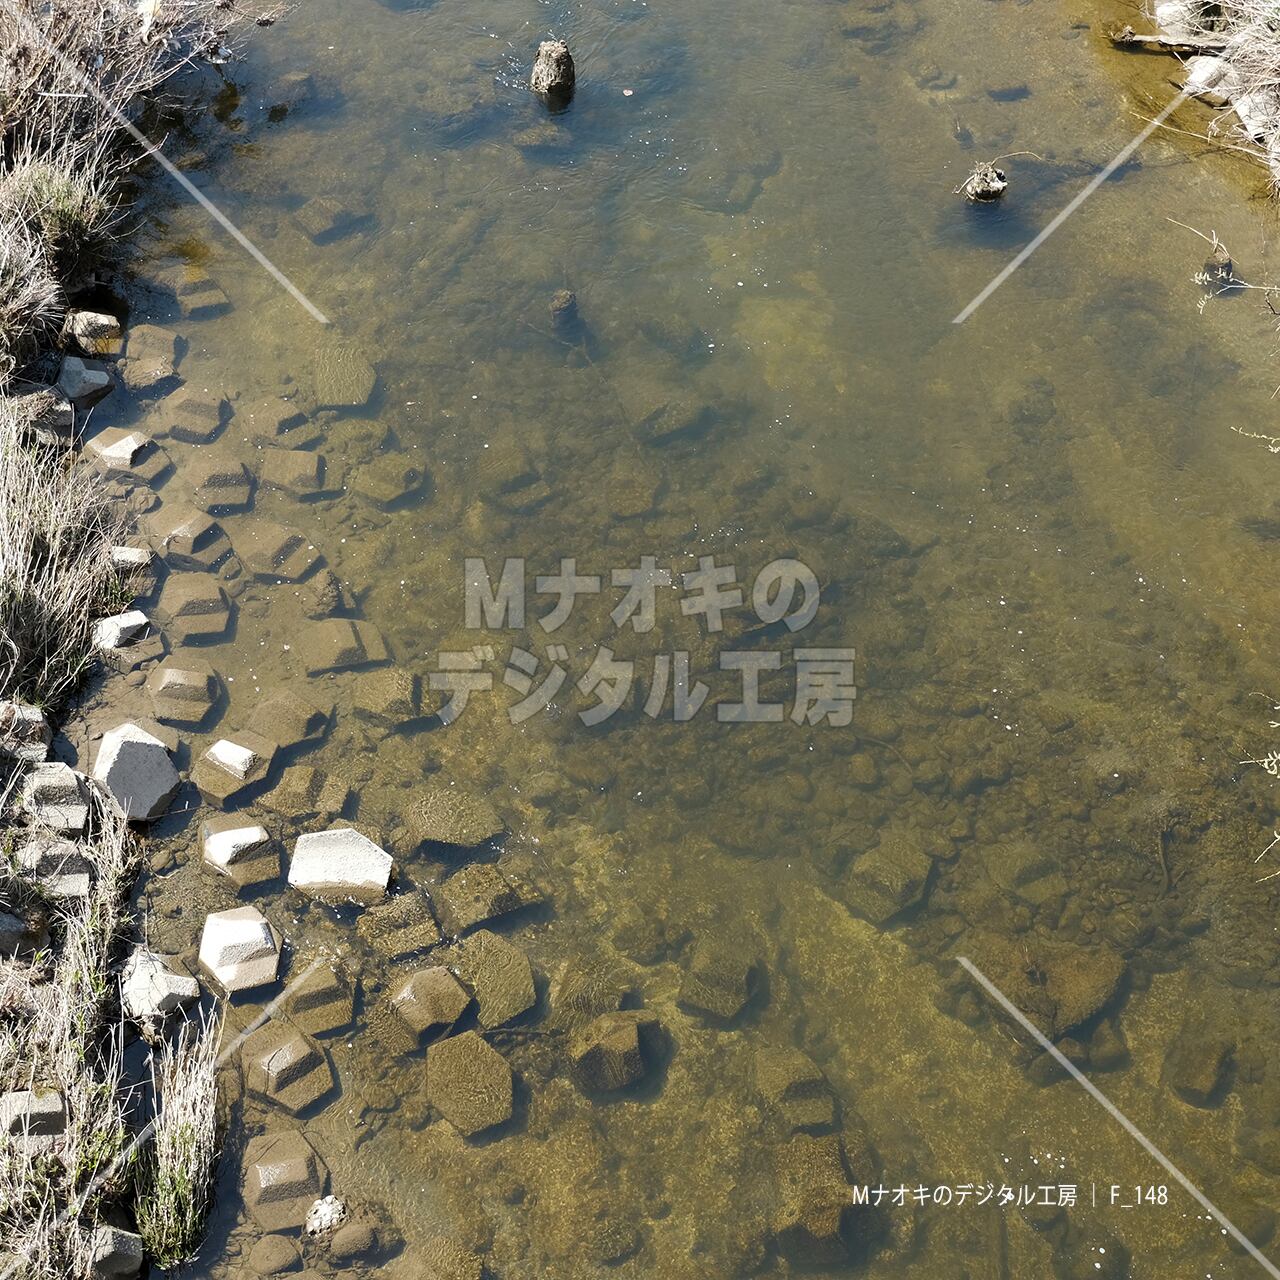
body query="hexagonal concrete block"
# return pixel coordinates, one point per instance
(36, 1113)
(500, 975)
(195, 416)
(182, 691)
(60, 866)
(283, 1176)
(298, 472)
(119, 630)
(244, 853)
(55, 796)
(192, 606)
(24, 732)
(115, 1252)
(286, 1067)
(290, 720)
(150, 990)
(469, 1083)
(275, 552)
(322, 1002)
(340, 644)
(231, 764)
(429, 1002)
(135, 768)
(218, 484)
(342, 865)
(190, 539)
(240, 949)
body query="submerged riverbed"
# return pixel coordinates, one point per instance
(1051, 553)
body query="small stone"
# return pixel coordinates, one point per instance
(453, 816)
(218, 485)
(564, 310)
(609, 1053)
(116, 1252)
(400, 926)
(24, 732)
(286, 1067)
(193, 607)
(231, 764)
(324, 219)
(283, 1176)
(119, 630)
(553, 71)
(240, 949)
(343, 377)
(500, 976)
(55, 796)
(151, 991)
(322, 1002)
(341, 864)
(469, 1083)
(83, 382)
(194, 416)
(477, 894)
(182, 691)
(325, 1216)
(720, 980)
(135, 768)
(352, 1242)
(341, 644)
(276, 552)
(298, 472)
(245, 854)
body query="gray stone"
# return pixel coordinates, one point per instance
(553, 70)
(240, 949)
(283, 1175)
(151, 991)
(245, 854)
(340, 644)
(286, 1067)
(119, 630)
(21, 937)
(59, 865)
(127, 455)
(97, 333)
(55, 796)
(499, 974)
(469, 1083)
(218, 484)
(193, 607)
(116, 1252)
(612, 1051)
(341, 864)
(343, 377)
(182, 691)
(400, 926)
(135, 768)
(720, 980)
(477, 894)
(83, 382)
(24, 732)
(275, 552)
(240, 760)
(453, 816)
(36, 1113)
(298, 472)
(195, 416)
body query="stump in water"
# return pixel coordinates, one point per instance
(553, 72)
(986, 182)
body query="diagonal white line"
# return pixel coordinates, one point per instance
(1094, 183)
(37, 36)
(1120, 1118)
(145, 1135)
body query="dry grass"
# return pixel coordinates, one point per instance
(56, 531)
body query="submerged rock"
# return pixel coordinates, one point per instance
(286, 1067)
(499, 974)
(1198, 1062)
(811, 1219)
(794, 1089)
(554, 74)
(283, 1176)
(614, 1050)
(888, 880)
(721, 978)
(426, 1005)
(322, 1002)
(453, 816)
(182, 691)
(477, 894)
(469, 1083)
(400, 926)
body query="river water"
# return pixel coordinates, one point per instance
(1052, 555)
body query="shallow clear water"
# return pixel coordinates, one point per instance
(1052, 554)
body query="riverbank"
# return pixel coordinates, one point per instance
(80, 1194)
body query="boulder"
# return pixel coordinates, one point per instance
(231, 764)
(340, 864)
(60, 866)
(720, 980)
(24, 732)
(151, 991)
(814, 1207)
(794, 1089)
(55, 796)
(97, 333)
(182, 691)
(553, 72)
(340, 644)
(400, 926)
(119, 630)
(351, 1242)
(283, 1175)
(135, 768)
(245, 854)
(451, 815)
(428, 1003)
(286, 1067)
(477, 894)
(612, 1051)
(115, 1252)
(323, 1001)
(500, 976)
(83, 382)
(240, 949)
(469, 1083)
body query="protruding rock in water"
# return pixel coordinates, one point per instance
(984, 184)
(794, 1089)
(564, 311)
(553, 72)
(245, 853)
(135, 768)
(150, 991)
(240, 949)
(340, 865)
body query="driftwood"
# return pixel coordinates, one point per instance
(1127, 37)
